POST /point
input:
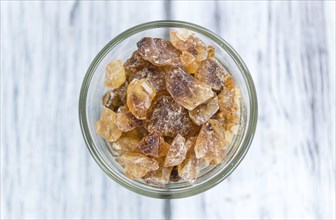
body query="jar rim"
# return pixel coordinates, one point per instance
(251, 125)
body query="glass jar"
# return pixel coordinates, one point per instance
(121, 47)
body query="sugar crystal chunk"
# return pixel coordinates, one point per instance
(169, 118)
(188, 169)
(127, 143)
(137, 165)
(135, 63)
(158, 51)
(177, 152)
(212, 73)
(140, 94)
(229, 101)
(126, 121)
(204, 112)
(190, 143)
(106, 126)
(160, 176)
(201, 51)
(211, 51)
(190, 43)
(154, 145)
(189, 62)
(111, 100)
(115, 74)
(153, 74)
(183, 34)
(178, 43)
(210, 143)
(186, 90)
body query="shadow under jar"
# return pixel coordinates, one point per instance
(121, 47)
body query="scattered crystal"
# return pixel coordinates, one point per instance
(188, 169)
(115, 74)
(153, 74)
(190, 143)
(154, 145)
(212, 73)
(228, 101)
(158, 177)
(135, 63)
(190, 43)
(126, 120)
(211, 51)
(183, 34)
(106, 126)
(111, 100)
(158, 51)
(177, 152)
(189, 62)
(186, 90)
(137, 165)
(210, 143)
(204, 112)
(140, 94)
(169, 118)
(127, 143)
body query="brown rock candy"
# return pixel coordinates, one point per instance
(135, 63)
(153, 145)
(153, 74)
(211, 51)
(179, 39)
(126, 121)
(189, 42)
(201, 50)
(212, 73)
(183, 34)
(186, 90)
(127, 143)
(158, 51)
(177, 152)
(189, 62)
(115, 74)
(111, 100)
(204, 112)
(169, 118)
(210, 143)
(141, 132)
(106, 126)
(190, 143)
(228, 101)
(140, 94)
(137, 165)
(188, 169)
(122, 92)
(160, 176)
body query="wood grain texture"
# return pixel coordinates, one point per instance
(46, 171)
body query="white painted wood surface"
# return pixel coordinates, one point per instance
(46, 170)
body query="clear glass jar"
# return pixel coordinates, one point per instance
(121, 47)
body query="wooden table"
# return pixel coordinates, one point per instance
(46, 170)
